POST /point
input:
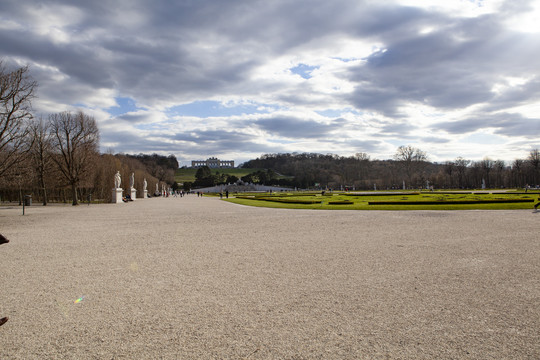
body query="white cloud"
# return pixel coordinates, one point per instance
(381, 73)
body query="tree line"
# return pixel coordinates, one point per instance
(56, 158)
(408, 168)
(205, 178)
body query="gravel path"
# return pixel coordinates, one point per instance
(200, 278)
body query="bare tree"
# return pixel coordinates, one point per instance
(487, 165)
(499, 167)
(449, 170)
(75, 140)
(410, 157)
(461, 167)
(16, 92)
(40, 153)
(517, 171)
(534, 162)
(361, 156)
(409, 154)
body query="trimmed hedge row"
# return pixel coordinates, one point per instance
(451, 202)
(280, 200)
(385, 194)
(340, 203)
(291, 201)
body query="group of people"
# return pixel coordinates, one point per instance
(226, 194)
(3, 240)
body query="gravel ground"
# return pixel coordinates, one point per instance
(200, 278)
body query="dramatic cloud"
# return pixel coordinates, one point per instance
(237, 79)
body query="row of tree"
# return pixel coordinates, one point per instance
(205, 178)
(409, 166)
(57, 158)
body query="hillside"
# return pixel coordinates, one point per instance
(188, 174)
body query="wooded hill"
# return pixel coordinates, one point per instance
(308, 170)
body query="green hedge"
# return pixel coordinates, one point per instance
(385, 194)
(451, 202)
(289, 201)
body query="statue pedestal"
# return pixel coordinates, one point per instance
(116, 195)
(133, 194)
(145, 194)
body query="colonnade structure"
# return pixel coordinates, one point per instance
(213, 163)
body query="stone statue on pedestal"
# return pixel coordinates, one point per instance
(132, 180)
(117, 191)
(117, 180)
(144, 191)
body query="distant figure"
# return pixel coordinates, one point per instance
(132, 180)
(144, 184)
(227, 194)
(3, 240)
(117, 180)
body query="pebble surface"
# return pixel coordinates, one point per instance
(200, 278)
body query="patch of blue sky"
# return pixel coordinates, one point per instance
(334, 113)
(148, 127)
(124, 106)
(210, 108)
(481, 138)
(346, 60)
(303, 70)
(80, 106)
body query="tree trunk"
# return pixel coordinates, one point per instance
(45, 197)
(74, 192)
(42, 183)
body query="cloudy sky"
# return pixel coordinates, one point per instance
(240, 78)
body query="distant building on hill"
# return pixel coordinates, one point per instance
(213, 163)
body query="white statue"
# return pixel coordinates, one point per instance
(144, 184)
(157, 188)
(132, 180)
(117, 180)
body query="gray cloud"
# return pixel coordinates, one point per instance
(366, 146)
(455, 66)
(169, 53)
(295, 128)
(505, 124)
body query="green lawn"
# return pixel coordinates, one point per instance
(391, 201)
